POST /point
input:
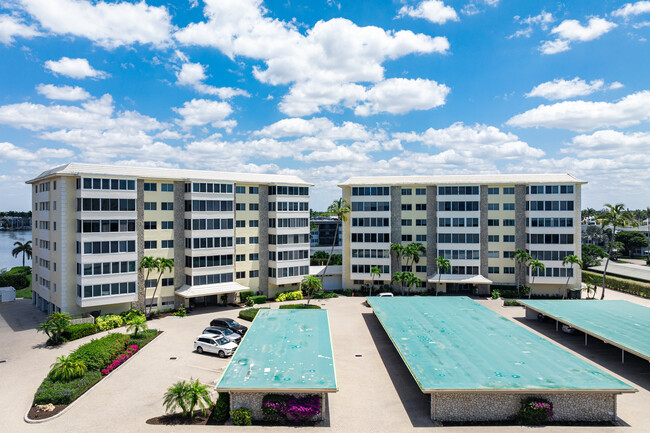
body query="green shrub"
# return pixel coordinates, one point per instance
(129, 315)
(221, 411)
(66, 368)
(496, 294)
(23, 270)
(250, 313)
(299, 307)
(99, 353)
(243, 296)
(17, 281)
(249, 302)
(615, 283)
(241, 416)
(143, 338)
(258, 299)
(321, 294)
(65, 392)
(81, 330)
(534, 411)
(295, 295)
(108, 322)
(510, 303)
(181, 312)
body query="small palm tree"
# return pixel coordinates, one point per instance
(186, 396)
(374, 272)
(412, 252)
(175, 397)
(570, 260)
(339, 209)
(149, 264)
(442, 265)
(396, 250)
(161, 266)
(521, 258)
(24, 248)
(309, 285)
(136, 323)
(55, 325)
(67, 368)
(615, 216)
(535, 266)
(399, 277)
(410, 280)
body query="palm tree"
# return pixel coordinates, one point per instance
(397, 250)
(309, 285)
(149, 263)
(67, 368)
(442, 265)
(570, 260)
(176, 397)
(136, 323)
(411, 280)
(521, 258)
(55, 325)
(340, 209)
(535, 266)
(615, 216)
(374, 272)
(399, 277)
(24, 248)
(186, 396)
(161, 266)
(413, 251)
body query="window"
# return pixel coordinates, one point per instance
(150, 225)
(420, 268)
(420, 191)
(407, 222)
(167, 187)
(254, 274)
(407, 191)
(253, 257)
(256, 206)
(458, 206)
(508, 254)
(493, 206)
(240, 257)
(240, 206)
(240, 241)
(253, 240)
(373, 190)
(508, 238)
(167, 206)
(421, 222)
(240, 223)
(167, 281)
(54, 185)
(508, 223)
(509, 190)
(242, 274)
(167, 225)
(493, 238)
(150, 283)
(149, 186)
(150, 205)
(493, 254)
(370, 206)
(150, 245)
(54, 226)
(253, 190)
(167, 244)
(420, 238)
(493, 191)
(255, 223)
(407, 238)
(493, 223)
(407, 206)
(509, 270)
(458, 190)
(508, 206)
(421, 206)
(493, 269)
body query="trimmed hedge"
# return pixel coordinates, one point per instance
(299, 307)
(99, 353)
(616, 283)
(324, 295)
(290, 295)
(75, 332)
(143, 338)
(245, 295)
(109, 321)
(510, 303)
(221, 411)
(17, 281)
(258, 299)
(65, 392)
(250, 313)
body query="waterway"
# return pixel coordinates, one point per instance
(7, 239)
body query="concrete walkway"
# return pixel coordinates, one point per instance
(377, 393)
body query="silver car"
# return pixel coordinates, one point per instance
(213, 344)
(224, 333)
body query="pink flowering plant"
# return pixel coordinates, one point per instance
(287, 409)
(129, 352)
(535, 411)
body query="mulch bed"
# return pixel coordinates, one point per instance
(511, 423)
(35, 413)
(160, 316)
(178, 419)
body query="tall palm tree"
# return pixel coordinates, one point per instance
(570, 260)
(149, 264)
(374, 272)
(412, 252)
(24, 248)
(399, 277)
(309, 285)
(521, 258)
(398, 251)
(615, 216)
(411, 280)
(339, 209)
(442, 265)
(535, 266)
(162, 265)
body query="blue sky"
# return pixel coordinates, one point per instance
(328, 89)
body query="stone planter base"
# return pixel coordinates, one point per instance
(485, 406)
(253, 401)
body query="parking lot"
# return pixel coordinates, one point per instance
(377, 393)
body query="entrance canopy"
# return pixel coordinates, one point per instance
(187, 291)
(459, 278)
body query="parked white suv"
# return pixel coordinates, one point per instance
(214, 344)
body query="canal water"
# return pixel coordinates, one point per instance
(7, 239)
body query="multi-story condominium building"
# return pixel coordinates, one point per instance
(476, 222)
(225, 232)
(323, 233)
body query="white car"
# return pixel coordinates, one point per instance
(214, 344)
(386, 295)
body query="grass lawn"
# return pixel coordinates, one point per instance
(27, 291)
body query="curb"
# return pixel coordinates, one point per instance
(38, 421)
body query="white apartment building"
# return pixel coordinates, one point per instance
(225, 232)
(476, 222)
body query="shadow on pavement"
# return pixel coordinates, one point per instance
(21, 315)
(416, 404)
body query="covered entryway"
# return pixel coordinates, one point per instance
(460, 284)
(210, 294)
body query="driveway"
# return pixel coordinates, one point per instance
(377, 393)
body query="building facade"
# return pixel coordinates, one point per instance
(476, 222)
(323, 233)
(225, 232)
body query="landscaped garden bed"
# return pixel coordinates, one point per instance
(73, 375)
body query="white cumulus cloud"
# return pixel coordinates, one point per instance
(632, 9)
(400, 95)
(11, 27)
(63, 93)
(573, 31)
(431, 10)
(74, 68)
(199, 112)
(193, 75)
(565, 89)
(12, 152)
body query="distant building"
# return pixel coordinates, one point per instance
(323, 234)
(645, 229)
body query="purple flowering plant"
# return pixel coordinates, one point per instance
(288, 409)
(535, 411)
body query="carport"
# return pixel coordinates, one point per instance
(455, 283)
(209, 294)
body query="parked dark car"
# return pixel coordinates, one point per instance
(230, 324)
(223, 332)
